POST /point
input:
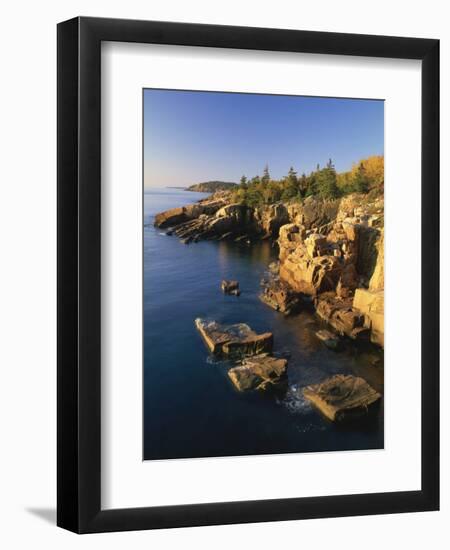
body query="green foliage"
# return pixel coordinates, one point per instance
(303, 185)
(360, 181)
(212, 186)
(291, 186)
(326, 182)
(366, 176)
(266, 176)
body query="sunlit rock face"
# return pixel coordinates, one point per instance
(377, 279)
(313, 213)
(343, 259)
(268, 219)
(308, 275)
(207, 207)
(371, 301)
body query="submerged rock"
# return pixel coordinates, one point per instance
(237, 340)
(230, 287)
(328, 338)
(342, 397)
(262, 373)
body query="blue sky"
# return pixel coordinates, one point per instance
(191, 137)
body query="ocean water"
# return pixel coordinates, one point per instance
(191, 408)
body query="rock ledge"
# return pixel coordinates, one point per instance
(342, 397)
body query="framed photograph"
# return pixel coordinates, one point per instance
(248, 259)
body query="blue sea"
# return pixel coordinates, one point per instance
(191, 409)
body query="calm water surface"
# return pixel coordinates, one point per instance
(191, 408)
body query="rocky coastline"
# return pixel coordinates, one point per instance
(331, 253)
(331, 259)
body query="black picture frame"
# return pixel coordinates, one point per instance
(79, 280)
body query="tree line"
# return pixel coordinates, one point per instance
(365, 176)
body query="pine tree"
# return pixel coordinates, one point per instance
(311, 184)
(243, 182)
(292, 177)
(290, 185)
(360, 182)
(326, 182)
(303, 184)
(266, 176)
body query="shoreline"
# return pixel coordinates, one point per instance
(178, 358)
(338, 266)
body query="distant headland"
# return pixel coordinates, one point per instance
(212, 186)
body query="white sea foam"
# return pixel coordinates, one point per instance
(295, 402)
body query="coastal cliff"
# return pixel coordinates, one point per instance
(331, 252)
(340, 266)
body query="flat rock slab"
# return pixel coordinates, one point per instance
(261, 373)
(342, 397)
(330, 340)
(237, 340)
(170, 217)
(253, 344)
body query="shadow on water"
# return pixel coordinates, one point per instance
(191, 408)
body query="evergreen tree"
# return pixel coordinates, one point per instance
(326, 182)
(303, 184)
(312, 184)
(266, 176)
(292, 177)
(291, 189)
(360, 182)
(243, 182)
